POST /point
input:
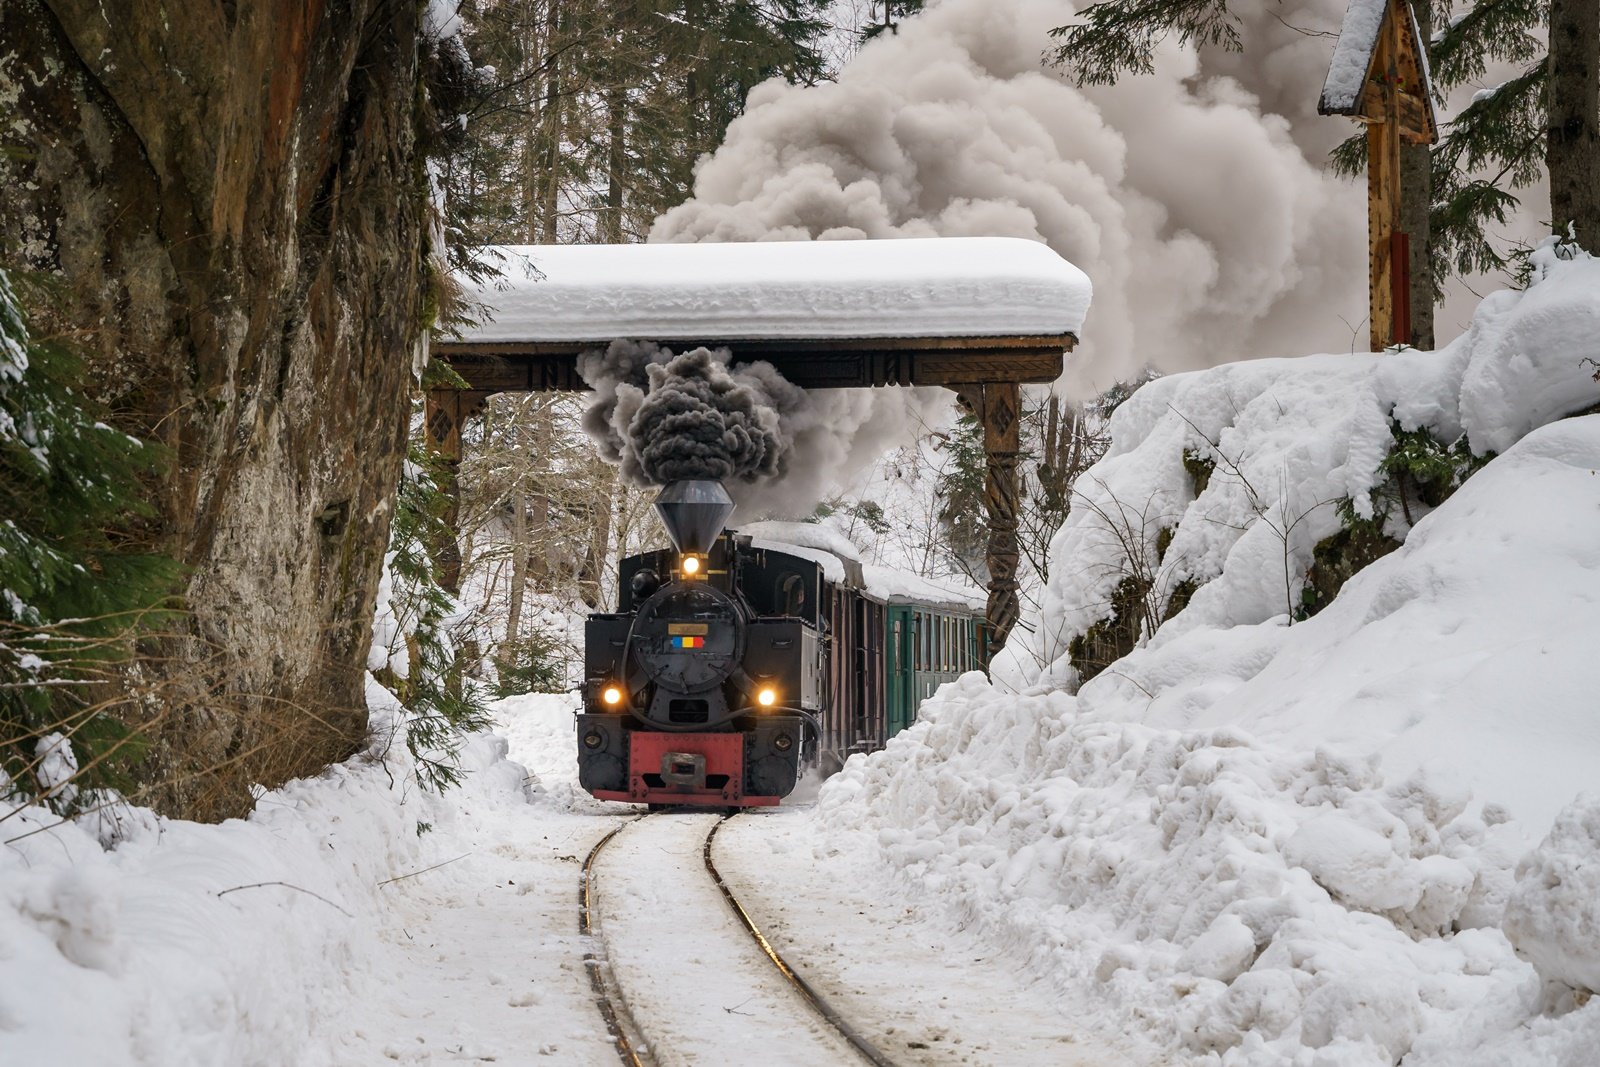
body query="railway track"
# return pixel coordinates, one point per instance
(707, 956)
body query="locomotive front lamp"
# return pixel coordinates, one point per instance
(612, 695)
(691, 565)
(767, 697)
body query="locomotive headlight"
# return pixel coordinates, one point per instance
(691, 565)
(611, 695)
(767, 696)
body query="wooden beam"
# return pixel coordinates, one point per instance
(501, 366)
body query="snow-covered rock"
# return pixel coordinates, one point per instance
(1553, 917)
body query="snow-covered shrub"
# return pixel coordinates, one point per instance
(533, 662)
(72, 590)
(417, 629)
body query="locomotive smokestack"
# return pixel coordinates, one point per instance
(694, 513)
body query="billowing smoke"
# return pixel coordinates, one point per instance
(1196, 198)
(663, 416)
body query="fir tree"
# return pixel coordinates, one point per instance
(599, 111)
(420, 625)
(1506, 139)
(74, 586)
(893, 12)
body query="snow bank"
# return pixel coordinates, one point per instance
(196, 944)
(915, 287)
(1287, 440)
(1553, 916)
(1264, 843)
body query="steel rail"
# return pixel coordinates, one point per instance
(868, 1051)
(612, 1009)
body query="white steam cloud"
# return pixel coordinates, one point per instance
(1196, 198)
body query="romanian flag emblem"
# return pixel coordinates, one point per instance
(688, 642)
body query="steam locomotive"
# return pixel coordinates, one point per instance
(735, 661)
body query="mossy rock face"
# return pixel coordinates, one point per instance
(1110, 639)
(1337, 558)
(1164, 541)
(1199, 468)
(1182, 593)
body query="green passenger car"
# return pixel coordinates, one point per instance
(927, 646)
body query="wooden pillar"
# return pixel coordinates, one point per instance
(998, 407)
(443, 414)
(1387, 271)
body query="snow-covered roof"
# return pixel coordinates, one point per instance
(781, 290)
(832, 551)
(1352, 55)
(895, 586)
(805, 534)
(1353, 59)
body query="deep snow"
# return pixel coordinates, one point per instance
(1355, 840)
(1264, 843)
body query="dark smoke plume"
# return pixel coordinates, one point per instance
(778, 448)
(698, 421)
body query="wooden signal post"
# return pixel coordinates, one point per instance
(1379, 77)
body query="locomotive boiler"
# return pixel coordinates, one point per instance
(735, 660)
(693, 694)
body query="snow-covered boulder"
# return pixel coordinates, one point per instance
(1553, 917)
(1220, 484)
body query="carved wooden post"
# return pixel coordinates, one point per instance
(443, 415)
(1379, 78)
(998, 407)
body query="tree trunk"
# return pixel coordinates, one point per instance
(233, 197)
(1572, 150)
(550, 124)
(1416, 203)
(616, 163)
(519, 566)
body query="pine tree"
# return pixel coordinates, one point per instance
(893, 12)
(1572, 145)
(420, 628)
(1506, 139)
(600, 110)
(1495, 145)
(74, 585)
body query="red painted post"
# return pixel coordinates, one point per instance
(1400, 285)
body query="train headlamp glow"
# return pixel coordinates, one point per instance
(691, 565)
(612, 695)
(767, 697)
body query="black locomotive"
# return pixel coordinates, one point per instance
(733, 662)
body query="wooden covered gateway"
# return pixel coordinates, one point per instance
(979, 316)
